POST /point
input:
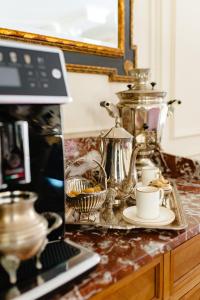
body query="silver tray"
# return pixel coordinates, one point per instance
(111, 218)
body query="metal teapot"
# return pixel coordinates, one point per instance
(142, 111)
(119, 158)
(23, 232)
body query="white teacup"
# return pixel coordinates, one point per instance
(148, 200)
(149, 173)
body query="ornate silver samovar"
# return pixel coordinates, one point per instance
(142, 111)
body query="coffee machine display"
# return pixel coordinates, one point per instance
(32, 88)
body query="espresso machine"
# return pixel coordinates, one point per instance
(33, 88)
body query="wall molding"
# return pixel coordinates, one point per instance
(185, 133)
(178, 131)
(163, 53)
(163, 57)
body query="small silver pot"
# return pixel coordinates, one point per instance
(23, 232)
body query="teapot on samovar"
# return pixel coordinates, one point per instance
(142, 111)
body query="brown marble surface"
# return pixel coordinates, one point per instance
(123, 252)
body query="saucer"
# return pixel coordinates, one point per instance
(166, 217)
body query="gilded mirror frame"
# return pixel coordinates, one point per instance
(88, 58)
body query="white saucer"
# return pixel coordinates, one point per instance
(166, 217)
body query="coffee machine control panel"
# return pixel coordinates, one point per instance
(32, 74)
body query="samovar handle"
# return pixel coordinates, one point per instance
(171, 104)
(112, 110)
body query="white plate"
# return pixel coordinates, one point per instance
(166, 217)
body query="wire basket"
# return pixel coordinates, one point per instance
(85, 202)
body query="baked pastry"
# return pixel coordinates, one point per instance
(89, 190)
(161, 182)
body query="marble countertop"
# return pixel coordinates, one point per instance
(123, 252)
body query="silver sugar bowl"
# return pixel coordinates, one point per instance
(23, 232)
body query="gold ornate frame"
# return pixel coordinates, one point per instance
(89, 49)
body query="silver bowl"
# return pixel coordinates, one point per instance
(84, 202)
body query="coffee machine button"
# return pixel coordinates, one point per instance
(56, 73)
(40, 60)
(13, 57)
(27, 59)
(45, 85)
(30, 73)
(43, 74)
(32, 84)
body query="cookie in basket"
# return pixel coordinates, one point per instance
(83, 196)
(88, 190)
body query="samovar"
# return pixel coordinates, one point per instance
(142, 111)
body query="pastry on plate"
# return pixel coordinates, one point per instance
(161, 182)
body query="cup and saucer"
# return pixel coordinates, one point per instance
(147, 211)
(165, 217)
(151, 176)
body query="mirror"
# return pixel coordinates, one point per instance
(88, 21)
(91, 32)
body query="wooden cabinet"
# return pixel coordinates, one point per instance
(185, 270)
(173, 275)
(144, 284)
(193, 294)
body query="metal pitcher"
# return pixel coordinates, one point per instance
(23, 232)
(118, 159)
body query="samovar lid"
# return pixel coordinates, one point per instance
(141, 86)
(117, 132)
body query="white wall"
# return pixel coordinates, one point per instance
(167, 34)
(85, 113)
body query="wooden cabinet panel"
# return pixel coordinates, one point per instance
(141, 288)
(145, 284)
(174, 275)
(194, 294)
(185, 258)
(185, 269)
